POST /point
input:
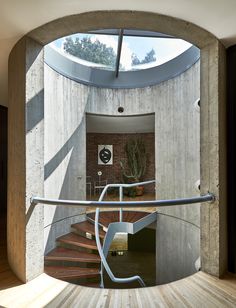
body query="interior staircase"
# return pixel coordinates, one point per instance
(75, 258)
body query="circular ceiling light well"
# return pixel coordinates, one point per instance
(130, 66)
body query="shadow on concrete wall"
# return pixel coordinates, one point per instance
(57, 159)
(35, 111)
(72, 188)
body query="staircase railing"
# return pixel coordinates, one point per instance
(209, 197)
(121, 186)
(98, 242)
(120, 204)
(106, 265)
(100, 248)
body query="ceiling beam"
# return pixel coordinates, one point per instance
(119, 47)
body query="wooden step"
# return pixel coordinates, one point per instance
(70, 272)
(129, 216)
(77, 240)
(137, 216)
(105, 218)
(65, 254)
(88, 227)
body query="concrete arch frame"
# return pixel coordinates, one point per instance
(26, 133)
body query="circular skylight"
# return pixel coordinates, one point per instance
(120, 58)
(121, 50)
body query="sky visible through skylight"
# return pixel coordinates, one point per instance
(165, 48)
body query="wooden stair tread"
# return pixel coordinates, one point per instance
(65, 254)
(129, 216)
(77, 240)
(70, 272)
(86, 226)
(105, 218)
(138, 216)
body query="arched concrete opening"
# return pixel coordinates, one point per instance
(26, 140)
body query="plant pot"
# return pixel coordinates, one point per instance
(139, 190)
(130, 192)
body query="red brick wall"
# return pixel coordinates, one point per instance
(113, 172)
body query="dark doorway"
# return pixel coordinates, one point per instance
(231, 146)
(3, 165)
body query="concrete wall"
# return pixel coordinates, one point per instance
(177, 129)
(213, 159)
(177, 153)
(65, 153)
(25, 159)
(24, 239)
(177, 158)
(177, 248)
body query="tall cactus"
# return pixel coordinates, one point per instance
(136, 160)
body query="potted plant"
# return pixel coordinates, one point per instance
(134, 168)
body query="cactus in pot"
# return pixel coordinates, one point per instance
(135, 167)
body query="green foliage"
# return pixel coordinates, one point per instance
(150, 57)
(135, 60)
(136, 154)
(88, 50)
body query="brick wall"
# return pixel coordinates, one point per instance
(113, 172)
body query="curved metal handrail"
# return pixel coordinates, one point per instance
(104, 261)
(123, 186)
(117, 204)
(100, 249)
(209, 197)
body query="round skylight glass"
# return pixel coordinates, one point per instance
(108, 50)
(146, 52)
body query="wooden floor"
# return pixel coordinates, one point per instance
(200, 291)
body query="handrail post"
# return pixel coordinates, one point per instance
(121, 199)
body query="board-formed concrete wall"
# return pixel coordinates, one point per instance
(64, 153)
(177, 129)
(177, 154)
(25, 173)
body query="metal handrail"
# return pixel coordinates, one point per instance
(124, 186)
(209, 197)
(104, 261)
(121, 186)
(100, 249)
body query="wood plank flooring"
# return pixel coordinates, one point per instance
(199, 290)
(7, 278)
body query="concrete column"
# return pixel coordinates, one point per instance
(213, 159)
(177, 151)
(26, 169)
